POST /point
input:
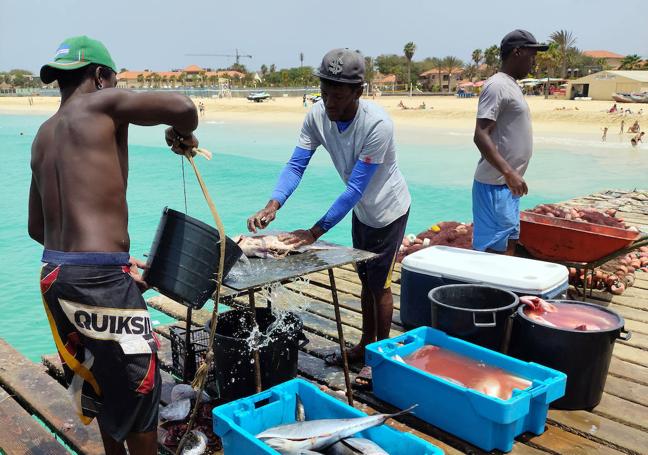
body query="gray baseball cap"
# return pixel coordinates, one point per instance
(520, 38)
(342, 65)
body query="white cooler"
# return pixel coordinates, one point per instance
(439, 265)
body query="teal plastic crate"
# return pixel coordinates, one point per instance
(487, 422)
(237, 422)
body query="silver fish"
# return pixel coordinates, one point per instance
(300, 412)
(176, 410)
(318, 434)
(196, 443)
(355, 446)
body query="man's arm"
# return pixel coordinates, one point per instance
(150, 108)
(488, 150)
(357, 184)
(289, 179)
(35, 225)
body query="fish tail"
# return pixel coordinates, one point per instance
(404, 411)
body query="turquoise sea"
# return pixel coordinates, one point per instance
(438, 165)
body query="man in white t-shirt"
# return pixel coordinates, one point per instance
(358, 135)
(504, 138)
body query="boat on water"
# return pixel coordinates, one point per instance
(258, 97)
(630, 97)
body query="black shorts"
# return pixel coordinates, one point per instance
(103, 335)
(384, 241)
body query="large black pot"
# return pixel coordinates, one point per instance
(184, 258)
(583, 355)
(476, 313)
(234, 359)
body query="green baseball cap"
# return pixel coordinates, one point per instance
(75, 53)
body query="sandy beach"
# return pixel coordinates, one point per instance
(549, 115)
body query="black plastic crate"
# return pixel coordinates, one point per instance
(199, 342)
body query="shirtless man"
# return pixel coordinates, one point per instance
(77, 210)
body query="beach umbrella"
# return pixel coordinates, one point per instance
(479, 84)
(466, 84)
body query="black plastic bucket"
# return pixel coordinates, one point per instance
(183, 261)
(475, 313)
(234, 359)
(583, 355)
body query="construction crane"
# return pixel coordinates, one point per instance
(236, 55)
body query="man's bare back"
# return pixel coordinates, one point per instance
(80, 166)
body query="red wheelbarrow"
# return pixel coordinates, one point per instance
(558, 239)
(575, 243)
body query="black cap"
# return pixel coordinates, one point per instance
(342, 65)
(520, 38)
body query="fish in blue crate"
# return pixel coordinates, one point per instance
(321, 434)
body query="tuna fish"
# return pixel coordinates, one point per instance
(355, 446)
(319, 434)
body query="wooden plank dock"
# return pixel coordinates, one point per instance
(618, 425)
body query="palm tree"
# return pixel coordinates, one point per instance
(264, 71)
(172, 80)
(477, 57)
(565, 41)
(438, 65)
(492, 59)
(301, 59)
(273, 68)
(409, 50)
(140, 80)
(630, 62)
(450, 64)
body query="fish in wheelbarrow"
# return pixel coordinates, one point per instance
(355, 446)
(319, 434)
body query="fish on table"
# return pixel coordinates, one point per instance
(269, 246)
(315, 435)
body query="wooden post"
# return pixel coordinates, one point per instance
(338, 320)
(190, 359)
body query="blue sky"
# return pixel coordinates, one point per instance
(157, 34)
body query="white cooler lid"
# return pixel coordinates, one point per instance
(507, 272)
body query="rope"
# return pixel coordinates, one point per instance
(201, 374)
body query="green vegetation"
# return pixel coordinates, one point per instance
(562, 59)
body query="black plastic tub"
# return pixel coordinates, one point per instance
(184, 258)
(234, 359)
(475, 313)
(583, 355)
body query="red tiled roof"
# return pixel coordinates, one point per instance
(384, 79)
(444, 71)
(602, 54)
(193, 69)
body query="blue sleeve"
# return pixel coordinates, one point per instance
(358, 181)
(291, 174)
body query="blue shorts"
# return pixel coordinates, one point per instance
(496, 216)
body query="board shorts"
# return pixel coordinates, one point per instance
(103, 334)
(496, 216)
(385, 241)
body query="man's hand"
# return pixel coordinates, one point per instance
(516, 183)
(300, 237)
(263, 217)
(179, 144)
(136, 264)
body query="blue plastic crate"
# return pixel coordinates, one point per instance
(237, 422)
(487, 422)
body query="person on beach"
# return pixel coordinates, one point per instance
(605, 130)
(359, 137)
(504, 139)
(622, 125)
(635, 128)
(201, 108)
(91, 287)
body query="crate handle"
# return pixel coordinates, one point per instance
(303, 340)
(484, 324)
(625, 335)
